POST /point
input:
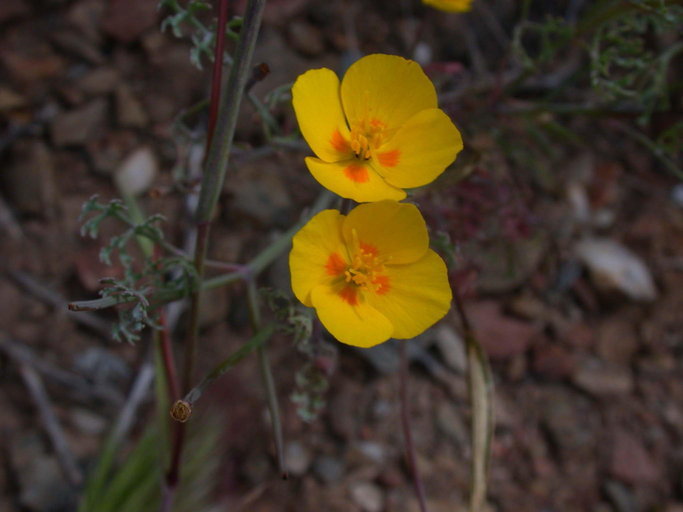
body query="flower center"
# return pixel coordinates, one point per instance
(366, 136)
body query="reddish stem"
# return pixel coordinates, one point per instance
(169, 359)
(217, 71)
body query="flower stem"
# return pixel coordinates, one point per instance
(407, 431)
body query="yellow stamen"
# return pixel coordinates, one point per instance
(366, 270)
(366, 136)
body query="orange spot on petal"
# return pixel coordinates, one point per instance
(335, 265)
(339, 143)
(382, 284)
(356, 172)
(349, 294)
(369, 249)
(389, 158)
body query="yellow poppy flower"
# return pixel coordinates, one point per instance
(377, 132)
(370, 275)
(450, 5)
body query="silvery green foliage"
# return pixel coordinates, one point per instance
(185, 22)
(312, 378)
(170, 275)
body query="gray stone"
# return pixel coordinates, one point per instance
(76, 127)
(328, 469)
(297, 458)
(367, 496)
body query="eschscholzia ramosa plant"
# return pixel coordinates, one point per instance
(450, 5)
(377, 132)
(370, 275)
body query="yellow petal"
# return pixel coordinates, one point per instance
(419, 151)
(419, 295)
(312, 259)
(450, 5)
(395, 230)
(385, 88)
(353, 179)
(356, 324)
(315, 97)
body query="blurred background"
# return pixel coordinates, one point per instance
(562, 221)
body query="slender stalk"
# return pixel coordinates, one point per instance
(221, 369)
(480, 387)
(407, 431)
(212, 183)
(267, 375)
(167, 356)
(195, 304)
(219, 151)
(217, 161)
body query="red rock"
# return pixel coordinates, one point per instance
(580, 335)
(501, 336)
(127, 20)
(553, 361)
(630, 461)
(617, 340)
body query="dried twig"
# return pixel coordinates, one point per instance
(8, 222)
(81, 388)
(52, 298)
(480, 383)
(138, 393)
(66, 459)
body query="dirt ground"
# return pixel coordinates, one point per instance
(570, 259)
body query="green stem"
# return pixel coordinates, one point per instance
(267, 375)
(255, 342)
(219, 152)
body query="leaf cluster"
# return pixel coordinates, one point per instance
(312, 378)
(186, 22)
(625, 66)
(173, 274)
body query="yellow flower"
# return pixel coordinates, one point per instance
(370, 275)
(450, 5)
(377, 132)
